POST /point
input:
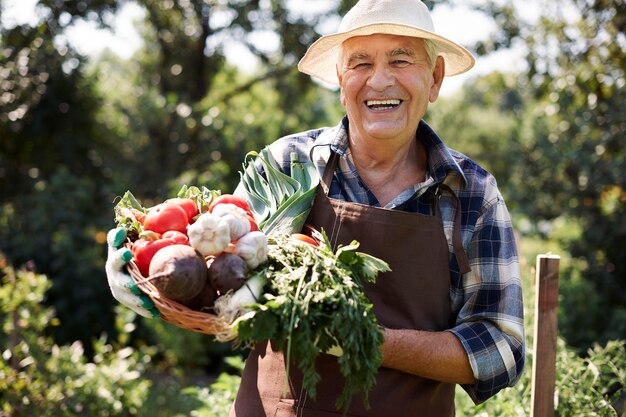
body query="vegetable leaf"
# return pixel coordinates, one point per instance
(314, 300)
(280, 203)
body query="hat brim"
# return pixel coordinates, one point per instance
(320, 60)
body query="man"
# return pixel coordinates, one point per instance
(451, 308)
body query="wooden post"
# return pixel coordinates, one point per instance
(544, 362)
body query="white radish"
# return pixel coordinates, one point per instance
(235, 304)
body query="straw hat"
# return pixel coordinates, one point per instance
(393, 17)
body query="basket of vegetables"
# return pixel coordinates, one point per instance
(245, 268)
(189, 250)
(220, 229)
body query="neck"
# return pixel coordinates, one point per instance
(387, 168)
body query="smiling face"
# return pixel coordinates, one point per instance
(386, 84)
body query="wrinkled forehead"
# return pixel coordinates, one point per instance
(388, 44)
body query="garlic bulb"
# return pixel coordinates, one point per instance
(236, 217)
(252, 247)
(209, 234)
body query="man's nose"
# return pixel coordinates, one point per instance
(380, 77)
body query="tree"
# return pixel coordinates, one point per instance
(72, 141)
(573, 156)
(483, 120)
(52, 180)
(184, 77)
(553, 136)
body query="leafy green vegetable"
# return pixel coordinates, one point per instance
(280, 203)
(202, 196)
(314, 301)
(129, 210)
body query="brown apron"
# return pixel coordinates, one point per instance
(415, 295)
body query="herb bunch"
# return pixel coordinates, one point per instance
(314, 301)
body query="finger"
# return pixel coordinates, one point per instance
(143, 301)
(116, 237)
(117, 259)
(148, 305)
(133, 302)
(141, 304)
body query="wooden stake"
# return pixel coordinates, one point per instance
(544, 362)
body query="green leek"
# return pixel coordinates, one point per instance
(280, 203)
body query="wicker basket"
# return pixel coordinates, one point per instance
(175, 313)
(184, 317)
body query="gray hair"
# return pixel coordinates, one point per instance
(431, 51)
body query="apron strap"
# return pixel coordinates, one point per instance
(457, 242)
(329, 171)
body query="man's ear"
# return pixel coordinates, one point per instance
(340, 79)
(439, 72)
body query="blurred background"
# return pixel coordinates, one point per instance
(102, 96)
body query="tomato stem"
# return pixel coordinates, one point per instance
(149, 235)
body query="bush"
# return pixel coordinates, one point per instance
(218, 398)
(40, 378)
(587, 382)
(589, 386)
(43, 379)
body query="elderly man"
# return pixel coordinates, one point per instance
(452, 306)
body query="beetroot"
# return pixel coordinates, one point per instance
(228, 272)
(178, 272)
(205, 300)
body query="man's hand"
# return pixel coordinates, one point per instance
(121, 284)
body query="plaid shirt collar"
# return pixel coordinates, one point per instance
(440, 160)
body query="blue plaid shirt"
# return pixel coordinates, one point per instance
(487, 301)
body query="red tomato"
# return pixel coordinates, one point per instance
(253, 226)
(232, 199)
(178, 237)
(166, 216)
(143, 251)
(188, 205)
(304, 238)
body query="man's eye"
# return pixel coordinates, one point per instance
(400, 63)
(362, 65)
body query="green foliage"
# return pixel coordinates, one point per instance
(572, 156)
(183, 352)
(553, 138)
(217, 399)
(53, 182)
(76, 136)
(39, 377)
(315, 301)
(53, 226)
(593, 383)
(584, 386)
(483, 121)
(42, 378)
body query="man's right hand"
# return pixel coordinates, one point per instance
(121, 284)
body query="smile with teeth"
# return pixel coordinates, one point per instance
(382, 104)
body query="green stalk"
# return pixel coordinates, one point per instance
(280, 203)
(291, 324)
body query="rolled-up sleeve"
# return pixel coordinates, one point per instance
(490, 322)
